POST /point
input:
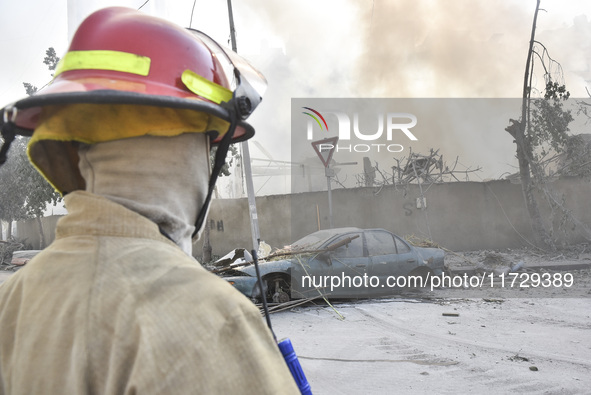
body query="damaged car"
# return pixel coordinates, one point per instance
(338, 263)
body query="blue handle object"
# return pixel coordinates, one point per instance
(294, 366)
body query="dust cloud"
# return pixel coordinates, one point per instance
(459, 48)
(404, 49)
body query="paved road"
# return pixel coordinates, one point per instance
(406, 346)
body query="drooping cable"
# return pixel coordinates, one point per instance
(146, 2)
(255, 260)
(8, 134)
(192, 10)
(219, 161)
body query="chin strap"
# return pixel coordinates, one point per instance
(219, 161)
(8, 134)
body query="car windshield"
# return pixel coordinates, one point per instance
(317, 239)
(313, 240)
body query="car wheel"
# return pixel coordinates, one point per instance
(278, 287)
(256, 296)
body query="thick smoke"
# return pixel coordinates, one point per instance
(460, 48)
(410, 49)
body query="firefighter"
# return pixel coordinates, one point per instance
(117, 304)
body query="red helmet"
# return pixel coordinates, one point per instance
(128, 74)
(122, 56)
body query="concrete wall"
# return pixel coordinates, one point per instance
(459, 216)
(28, 231)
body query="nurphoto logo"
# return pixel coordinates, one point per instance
(389, 126)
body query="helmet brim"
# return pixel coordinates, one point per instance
(65, 92)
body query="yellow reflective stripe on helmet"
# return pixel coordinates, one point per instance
(205, 88)
(104, 60)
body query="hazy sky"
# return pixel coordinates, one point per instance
(346, 48)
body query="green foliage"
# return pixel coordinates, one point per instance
(29, 88)
(576, 161)
(24, 193)
(12, 199)
(555, 91)
(548, 124)
(51, 59)
(233, 155)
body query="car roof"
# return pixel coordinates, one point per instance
(320, 236)
(336, 231)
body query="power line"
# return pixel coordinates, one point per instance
(193, 9)
(147, 1)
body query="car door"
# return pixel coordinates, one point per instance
(348, 264)
(389, 255)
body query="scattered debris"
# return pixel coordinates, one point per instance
(264, 250)
(13, 257)
(415, 361)
(419, 168)
(7, 248)
(518, 358)
(234, 258)
(498, 264)
(488, 300)
(277, 307)
(421, 242)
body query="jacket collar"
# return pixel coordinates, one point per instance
(94, 215)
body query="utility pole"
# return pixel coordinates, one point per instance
(252, 207)
(329, 175)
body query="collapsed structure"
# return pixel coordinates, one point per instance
(415, 168)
